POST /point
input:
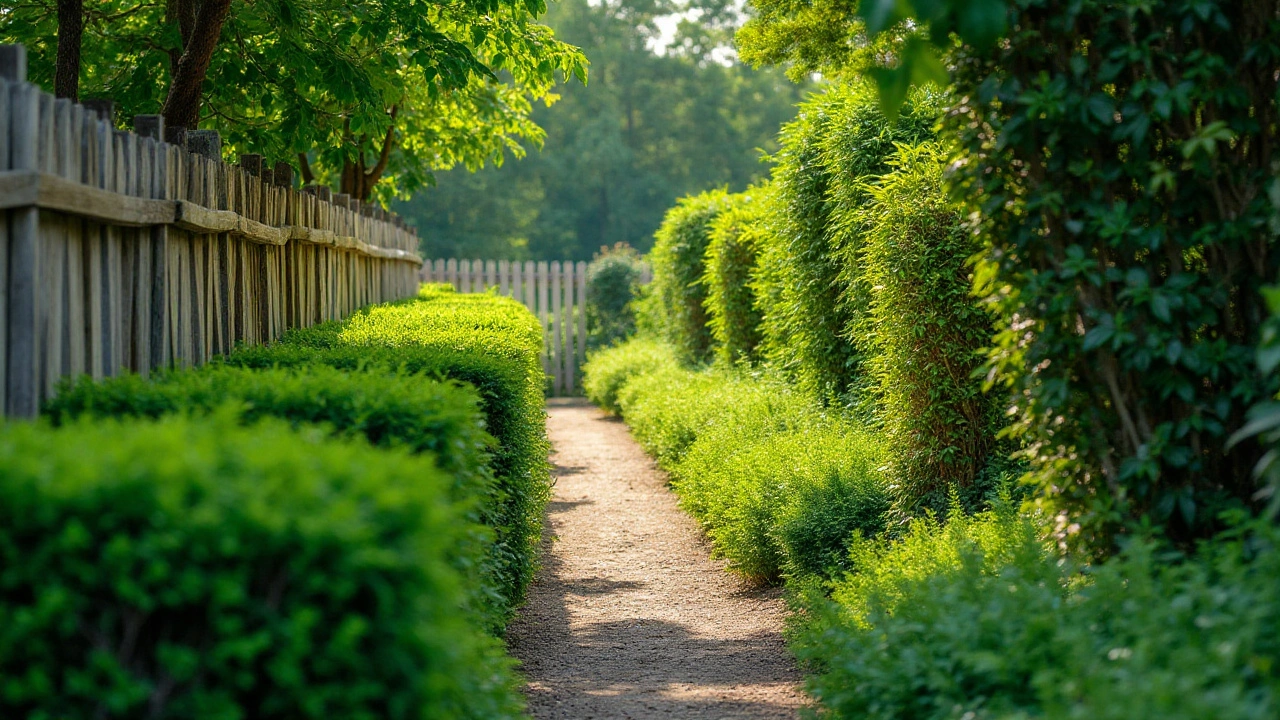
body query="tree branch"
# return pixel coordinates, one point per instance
(372, 177)
(182, 106)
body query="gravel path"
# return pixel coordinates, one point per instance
(630, 618)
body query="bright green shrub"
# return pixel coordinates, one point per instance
(838, 141)
(786, 495)
(778, 485)
(977, 619)
(612, 277)
(489, 342)
(607, 371)
(679, 253)
(195, 568)
(733, 313)
(1122, 168)
(387, 409)
(923, 333)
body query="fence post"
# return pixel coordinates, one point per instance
(153, 126)
(24, 238)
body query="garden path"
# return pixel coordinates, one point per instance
(630, 617)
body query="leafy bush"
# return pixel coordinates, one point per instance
(1125, 192)
(839, 140)
(778, 486)
(608, 370)
(733, 313)
(923, 333)
(390, 409)
(489, 342)
(679, 253)
(195, 568)
(977, 619)
(612, 277)
(786, 496)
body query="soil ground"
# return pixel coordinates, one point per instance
(629, 617)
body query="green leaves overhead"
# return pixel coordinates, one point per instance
(317, 76)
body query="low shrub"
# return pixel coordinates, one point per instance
(733, 313)
(196, 568)
(612, 279)
(489, 342)
(678, 257)
(779, 486)
(976, 618)
(388, 409)
(787, 498)
(607, 370)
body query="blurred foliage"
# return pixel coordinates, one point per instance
(650, 127)
(322, 76)
(196, 568)
(612, 279)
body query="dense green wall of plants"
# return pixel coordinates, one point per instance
(733, 251)
(679, 253)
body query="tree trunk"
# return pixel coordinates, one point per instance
(66, 77)
(356, 180)
(182, 106)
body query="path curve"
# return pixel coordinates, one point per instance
(629, 617)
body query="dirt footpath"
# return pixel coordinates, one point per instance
(630, 618)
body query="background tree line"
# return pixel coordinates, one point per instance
(652, 126)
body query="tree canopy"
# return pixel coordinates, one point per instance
(651, 127)
(375, 94)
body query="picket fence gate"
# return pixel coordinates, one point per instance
(124, 251)
(554, 291)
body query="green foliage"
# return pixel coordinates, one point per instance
(1121, 189)
(808, 285)
(388, 409)
(607, 371)
(786, 496)
(323, 76)
(778, 487)
(612, 278)
(923, 333)
(489, 342)
(651, 127)
(678, 257)
(732, 254)
(977, 619)
(187, 568)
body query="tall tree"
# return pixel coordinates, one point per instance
(375, 94)
(652, 126)
(66, 81)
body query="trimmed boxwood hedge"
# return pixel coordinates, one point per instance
(489, 342)
(192, 567)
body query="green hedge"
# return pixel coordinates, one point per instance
(977, 619)
(490, 342)
(196, 568)
(779, 487)
(678, 257)
(388, 409)
(923, 334)
(812, 299)
(733, 312)
(613, 277)
(611, 368)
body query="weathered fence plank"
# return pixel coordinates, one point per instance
(126, 252)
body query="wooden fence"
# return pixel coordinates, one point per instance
(554, 291)
(126, 251)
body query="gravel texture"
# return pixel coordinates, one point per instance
(630, 617)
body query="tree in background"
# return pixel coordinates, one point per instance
(370, 95)
(652, 126)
